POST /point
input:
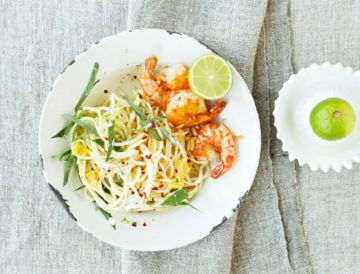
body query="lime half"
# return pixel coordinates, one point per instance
(332, 119)
(210, 77)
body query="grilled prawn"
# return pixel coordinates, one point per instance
(215, 142)
(169, 89)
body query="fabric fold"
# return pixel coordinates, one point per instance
(231, 28)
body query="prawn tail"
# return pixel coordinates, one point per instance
(202, 118)
(218, 171)
(150, 64)
(216, 108)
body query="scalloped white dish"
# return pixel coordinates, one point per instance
(176, 227)
(298, 96)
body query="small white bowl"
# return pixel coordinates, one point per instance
(298, 96)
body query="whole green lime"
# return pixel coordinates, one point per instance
(332, 119)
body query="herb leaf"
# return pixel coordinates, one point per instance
(155, 134)
(78, 188)
(167, 135)
(179, 197)
(106, 214)
(111, 131)
(91, 83)
(190, 205)
(69, 165)
(120, 182)
(125, 220)
(99, 142)
(83, 124)
(135, 108)
(64, 130)
(157, 119)
(148, 123)
(65, 155)
(176, 199)
(118, 149)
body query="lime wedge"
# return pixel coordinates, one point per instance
(210, 77)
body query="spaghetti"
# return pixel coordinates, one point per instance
(149, 158)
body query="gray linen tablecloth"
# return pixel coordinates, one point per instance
(292, 221)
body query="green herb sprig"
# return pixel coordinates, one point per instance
(179, 197)
(150, 123)
(125, 220)
(167, 135)
(63, 156)
(91, 83)
(106, 214)
(70, 163)
(78, 188)
(111, 133)
(135, 108)
(99, 142)
(88, 127)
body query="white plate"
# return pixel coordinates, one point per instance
(298, 96)
(217, 201)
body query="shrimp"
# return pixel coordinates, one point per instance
(175, 77)
(170, 90)
(187, 109)
(215, 142)
(154, 88)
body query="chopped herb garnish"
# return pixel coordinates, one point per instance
(88, 127)
(167, 135)
(78, 188)
(125, 220)
(145, 121)
(138, 67)
(106, 214)
(69, 165)
(114, 226)
(135, 108)
(99, 142)
(91, 83)
(118, 149)
(149, 122)
(120, 182)
(190, 205)
(63, 156)
(157, 119)
(64, 131)
(111, 132)
(179, 197)
(176, 198)
(155, 134)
